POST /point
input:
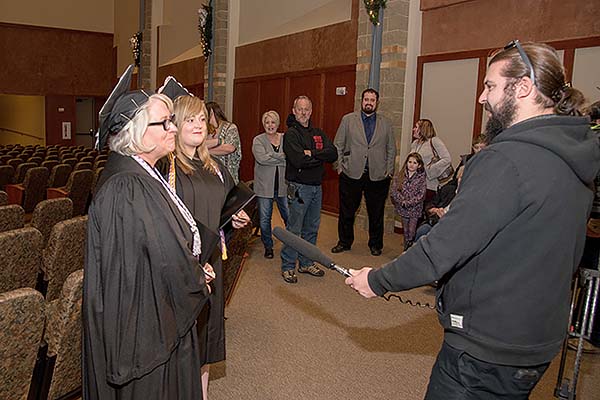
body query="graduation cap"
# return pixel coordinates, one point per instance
(173, 89)
(120, 107)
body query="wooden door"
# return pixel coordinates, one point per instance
(335, 107)
(245, 116)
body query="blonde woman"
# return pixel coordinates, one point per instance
(433, 151)
(269, 177)
(203, 183)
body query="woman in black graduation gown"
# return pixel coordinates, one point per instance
(143, 287)
(203, 183)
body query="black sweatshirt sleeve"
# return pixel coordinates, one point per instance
(328, 153)
(468, 227)
(294, 151)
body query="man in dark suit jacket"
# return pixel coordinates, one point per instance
(366, 156)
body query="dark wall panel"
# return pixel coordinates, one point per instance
(188, 73)
(254, 96)
(245, 116)
(443, 27)
(308, 85)
(273, 97)
(40, 61)
(335, 107)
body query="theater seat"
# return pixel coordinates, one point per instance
(63, 336)
(21, 328)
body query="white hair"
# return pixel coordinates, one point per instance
(129, 140)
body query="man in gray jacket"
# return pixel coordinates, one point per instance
(366, 155)
(506, 251)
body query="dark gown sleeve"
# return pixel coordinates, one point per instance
(143, 287)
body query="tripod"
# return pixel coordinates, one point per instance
(567, 388)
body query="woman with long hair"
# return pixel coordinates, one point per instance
(224, 139)
(434, 153)
(203, 183)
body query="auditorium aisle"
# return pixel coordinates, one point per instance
(319, 340)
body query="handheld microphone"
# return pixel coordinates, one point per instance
(308, 250)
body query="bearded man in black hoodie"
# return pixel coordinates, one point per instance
(306, 150)
(506, 251)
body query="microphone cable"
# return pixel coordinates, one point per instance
(409, 302)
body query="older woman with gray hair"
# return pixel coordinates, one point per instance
(269, 177)
(143, 285)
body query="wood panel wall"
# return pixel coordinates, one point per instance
(445, 22)
(314, 49)
(60, 64)
(40, 61)
(190, 73)
(253, 96)
(271, 73)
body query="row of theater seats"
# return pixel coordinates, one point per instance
(41, 277)
(56, 173)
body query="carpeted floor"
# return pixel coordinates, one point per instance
(319, 340)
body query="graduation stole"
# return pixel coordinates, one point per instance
(196, 246)
(172, 183)
(221, 233)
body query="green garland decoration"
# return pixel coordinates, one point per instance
(205, 28)
(373, 7)
(135, 42)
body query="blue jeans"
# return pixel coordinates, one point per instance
(304, 219)
(265, 213)
(422, 231)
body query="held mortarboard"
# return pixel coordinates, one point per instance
(173, 89)
(238, 198)
(120, 108)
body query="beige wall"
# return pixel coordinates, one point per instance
(85, 15)
(586, 75)
(449, 93)
(126, 22)
(265, 19)
(24, 114)
(178, 30)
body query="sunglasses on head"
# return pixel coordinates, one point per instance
(524, 57)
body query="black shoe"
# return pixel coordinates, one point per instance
(268, 253)
(338, 248)
(407, 244)
(375, 251)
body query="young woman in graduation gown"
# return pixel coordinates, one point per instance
(143, 286)
(203, 183)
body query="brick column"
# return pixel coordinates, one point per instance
(221, 22)
(393, 69)
(146, 56)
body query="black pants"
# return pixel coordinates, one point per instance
(456, 375)
(351, 191)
